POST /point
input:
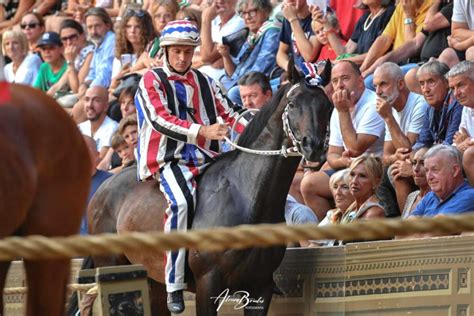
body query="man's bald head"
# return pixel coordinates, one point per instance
(96, 102)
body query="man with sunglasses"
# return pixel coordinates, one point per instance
(179, 136)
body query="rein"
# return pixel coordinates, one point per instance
(284, 151)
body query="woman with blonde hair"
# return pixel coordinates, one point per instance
(24, 67)
(365, 175)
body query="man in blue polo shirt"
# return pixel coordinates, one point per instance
(450, 193)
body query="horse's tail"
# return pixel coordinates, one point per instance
(73, 306)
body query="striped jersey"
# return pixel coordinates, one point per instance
(171, 108)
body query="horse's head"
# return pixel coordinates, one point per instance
(308, 112)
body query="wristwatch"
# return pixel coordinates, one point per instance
(408, 21)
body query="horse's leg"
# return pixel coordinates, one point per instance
(158, 298)
(208, 288)
(47, 281)
(259, 308)
(4, 266)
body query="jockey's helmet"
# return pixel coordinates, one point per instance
(180, 32)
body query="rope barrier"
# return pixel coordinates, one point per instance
(218, 239)
(71, 287)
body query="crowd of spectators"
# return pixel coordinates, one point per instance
(401, 137)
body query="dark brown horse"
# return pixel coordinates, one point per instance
(45, 176)
(238, 188)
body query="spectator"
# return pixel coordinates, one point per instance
(127, 101)
(461, 81)
(23, 67)
(370, 25)
(403, 112)
(405, 23)
(218, 20)
(99, 27)
(128, 128)
(98, 177)
(54, 65)
(135, 33)
(348, 12)
(364, 177)
(32, 25)
(428, 43)
(13, 13)
(255, 90)
(78, 53)
(450, 194)
(444, 114)
(328, 33)
(123, 150)
(419, 177)
(259, 49)
(339, 184)
(461, 41)
(98, 125)
(297, 39)
(355, 127)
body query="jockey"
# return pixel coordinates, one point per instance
(179, 135)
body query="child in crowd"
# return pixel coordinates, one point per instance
(328, 33)
(54, 65)
(123, 150)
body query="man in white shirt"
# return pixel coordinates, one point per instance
(98, 125)
(355, 129)
(461, 81)
(218, 20)
(403, 112)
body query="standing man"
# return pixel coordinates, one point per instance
(179, 136)
(461, 81)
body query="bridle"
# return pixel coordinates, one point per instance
(294, 151)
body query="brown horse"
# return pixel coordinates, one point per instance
(238, 188)
(45, 175)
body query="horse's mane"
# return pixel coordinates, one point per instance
(258, 123)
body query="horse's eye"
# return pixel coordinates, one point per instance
(291, 105)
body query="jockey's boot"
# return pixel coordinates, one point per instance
(175, 302)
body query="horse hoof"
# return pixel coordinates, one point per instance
(175, 302)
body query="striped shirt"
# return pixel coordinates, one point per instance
(171, 108)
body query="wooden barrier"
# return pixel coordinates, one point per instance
(406, 277)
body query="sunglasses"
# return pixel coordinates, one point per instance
(72, 37)
(31, 25)
(133, 12)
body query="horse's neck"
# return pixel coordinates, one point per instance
(270, 177)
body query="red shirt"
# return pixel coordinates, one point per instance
(347, 15)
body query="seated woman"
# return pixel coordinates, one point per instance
(339, 184)
(135, 32)
(78, 53)
(364, 177)
(32, 25)
(259, 50)
(23, 67)
(419, 177)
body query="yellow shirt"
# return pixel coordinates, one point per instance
(395, 28)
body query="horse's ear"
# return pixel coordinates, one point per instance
(326, 73)
(293, 75)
